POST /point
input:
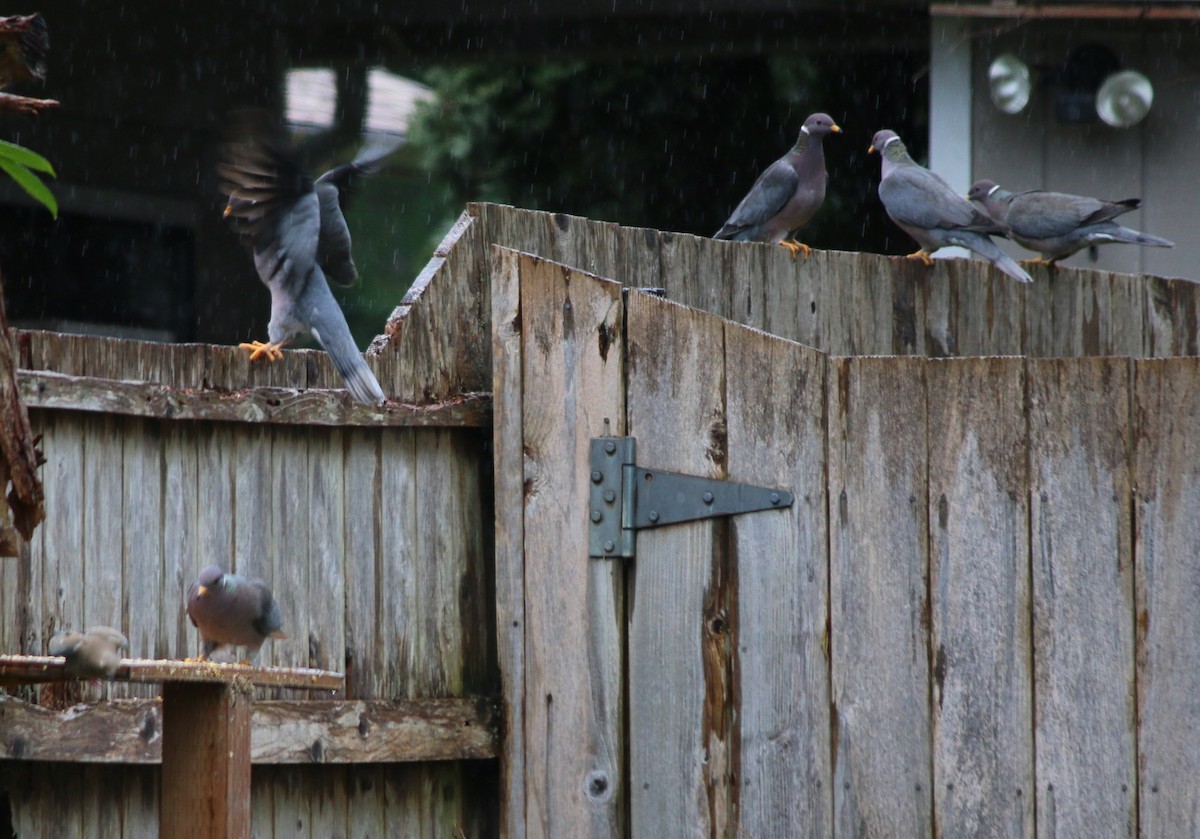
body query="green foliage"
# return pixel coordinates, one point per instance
(21, 164)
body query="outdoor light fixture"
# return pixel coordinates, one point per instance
(1090, 85)
(1010, 83)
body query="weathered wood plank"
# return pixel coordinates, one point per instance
(144, 610)
(179, 533)
(362, 476)
(326, 551)
(1083, 608)
(277, 405)
(683, 631)
(572, 364)
(62, 575)
(285, 565)
(878, 597)
(509, 546)
(1167, 513)
(979, 554)
(22, 669)
(775, 418)
(129, 731)
(396, 610)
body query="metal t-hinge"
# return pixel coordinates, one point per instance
(626, 498)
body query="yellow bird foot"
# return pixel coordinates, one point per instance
(1038, 260)
(794, 248)
(258, 349)
(922, 255)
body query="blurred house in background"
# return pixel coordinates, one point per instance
(1057, 141)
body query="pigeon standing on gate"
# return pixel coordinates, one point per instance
(298, 234)
(1057, 224)
(926, 208)
(232, 611)
(93, 654)
(787, 194)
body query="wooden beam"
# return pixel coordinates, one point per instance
(206, 760)
(278, 405)
(35, 669)
(1084, 11)
(129, 731)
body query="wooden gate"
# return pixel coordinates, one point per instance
(865, 662)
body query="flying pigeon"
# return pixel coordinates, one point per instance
(787, 195)
(1057, 224)
(299, 238)
(926, 208)
(24, 42)
(90, 655)
(231, 610)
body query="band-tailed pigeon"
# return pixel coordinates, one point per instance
(926, 208)
(1057, 224)
(299, 237)
(232, 610)
(787, 194)
(24, 42)
(90, 655)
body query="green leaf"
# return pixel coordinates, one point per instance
(25, 157)
(31, 184)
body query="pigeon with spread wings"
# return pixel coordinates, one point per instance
(299, 238)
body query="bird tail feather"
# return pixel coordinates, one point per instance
(990, 251)
(1133, 237)
(358, 378)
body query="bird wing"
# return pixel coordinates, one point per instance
(333, 246)
(918, 197)
(766, 198)
(259, 173)
(267, 621)
(1046, 215)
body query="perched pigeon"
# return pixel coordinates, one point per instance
(926, 208)
(787, 195)
(231, 610)
(24, 42)
(1057, 224)
(90, 655)
(299, 237)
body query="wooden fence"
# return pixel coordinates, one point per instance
(978, 618)
(978, 621)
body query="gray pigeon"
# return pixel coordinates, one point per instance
(1057, 224)
(231, 610)
(299, 237)
(90, 655)
(926, 208)
(787, 195)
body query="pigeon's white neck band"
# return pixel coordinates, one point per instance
(890, 141)
(993, 189)
(804, 129)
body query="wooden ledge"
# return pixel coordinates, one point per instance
(34, 669)
(277, 405)
(281, 731)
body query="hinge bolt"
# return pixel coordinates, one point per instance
(597, 516)
(609, 547)
(707, 497)
(774, 497)
(610, 496)
(653, 515)
(597, 476)
(610, 447)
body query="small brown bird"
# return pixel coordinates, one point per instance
(24, 42)
(94, 654)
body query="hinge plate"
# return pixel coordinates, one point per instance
(625, 498)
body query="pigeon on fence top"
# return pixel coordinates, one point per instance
(926, 208)
(1057, 224)
(90, 655)
(24, 42)
(787, 194)
(232, 610)
(298, 234)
